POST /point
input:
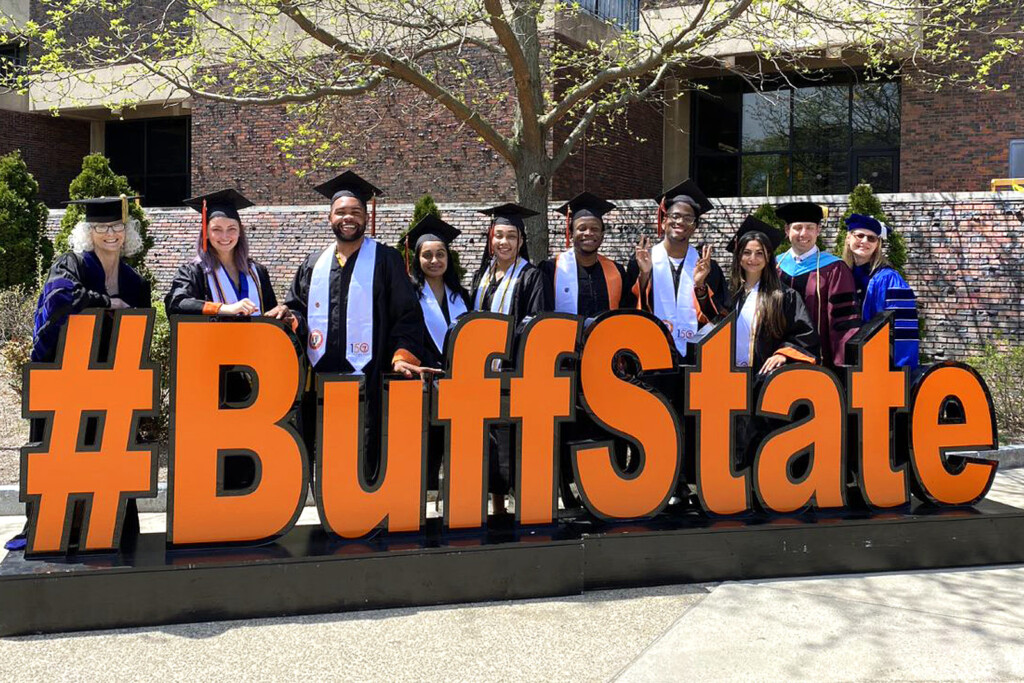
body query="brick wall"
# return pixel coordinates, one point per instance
(963, 250)
(51, 147)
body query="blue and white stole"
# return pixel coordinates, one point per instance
(359, 313)
(676, 308)
(433, 316)
(501, 302)
(223, 288)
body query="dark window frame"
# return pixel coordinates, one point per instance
(146, 175)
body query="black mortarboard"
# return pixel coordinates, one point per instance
(509, 214)
(105, 209)
(348, 184)
(686, 191)
(751, 224)
(800, 212)
(431, 229)
(222, 202)
(585, 204)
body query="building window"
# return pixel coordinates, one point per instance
(796, 138)
(12, 55)
(155, 155)
(625, 13)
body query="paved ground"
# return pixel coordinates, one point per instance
(943, 625)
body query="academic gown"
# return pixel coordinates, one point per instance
(826, 285)
(592, 289)
(77, 282)
(528, 299)
(397, 332)
(715, 282)
(885, 290)
(190, 290)
(190, 293)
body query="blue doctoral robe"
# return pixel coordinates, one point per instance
(885, 290)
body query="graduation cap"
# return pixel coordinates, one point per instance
(687, 191)
(430, 228)
(508, 214)
(105, 209)
(226, 203)
(349, 184)
(856, 221)
(583, 205)
(801, 212)
(752, 224)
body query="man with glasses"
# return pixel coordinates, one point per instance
(672, 275)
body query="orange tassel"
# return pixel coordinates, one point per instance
(661, 218)
(373, 217)
(204, 226)
(568, 228)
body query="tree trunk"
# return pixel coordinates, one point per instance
(533, 185)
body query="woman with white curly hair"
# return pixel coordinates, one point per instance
(93, 274)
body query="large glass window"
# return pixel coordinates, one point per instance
(796, 138)
(155, 155)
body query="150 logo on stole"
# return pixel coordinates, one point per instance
(872, 428)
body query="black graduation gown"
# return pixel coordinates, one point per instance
(528, 299)
(77, 282)
(397, 325)
(190, 289)
(592, 293)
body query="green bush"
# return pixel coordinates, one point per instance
(98, 180)
(864, 202)
(425, 205)
(17, 307)
(24, 247)
(1002, 366)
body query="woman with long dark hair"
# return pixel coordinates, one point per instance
(222, 279)
(442, 297)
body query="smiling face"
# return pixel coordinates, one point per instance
(862, 244)
(505, 243)
(108, 238)
(348, 219)
(223, 233)
(680, 222)
(753, 258)
(587, 234)
(433, 258)
(803, 236)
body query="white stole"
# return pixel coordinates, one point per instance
(501, 302)
(676, 308)
(746, 328)
(567, 284)
(433, 316)
(359, 313)
(224, 291)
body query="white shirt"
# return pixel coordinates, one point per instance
(806, 255)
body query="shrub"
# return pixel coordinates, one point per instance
(24, 247)
(17, 307)
(1002, 366)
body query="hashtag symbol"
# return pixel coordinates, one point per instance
(88, 450)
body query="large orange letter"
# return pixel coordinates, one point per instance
(204, 429)
(629, 411)
(467, 401)
(820, 434)
(716, 392)
(941, 478)
(541, 397)
(349, 506)
(875, 392)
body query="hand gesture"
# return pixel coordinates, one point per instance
(408, 369)
(643, 254)
(772, 364)
(703, 267)
(243, 307)
(116, 303)
(280, 312)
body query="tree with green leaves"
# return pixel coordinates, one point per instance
(528, 77)
(864, 202)
(25, 251)
(98, 180)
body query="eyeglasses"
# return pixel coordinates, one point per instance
(109, 227)
(864, 236)
(682, 218)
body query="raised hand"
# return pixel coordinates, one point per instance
(703, 267)
(643, 254)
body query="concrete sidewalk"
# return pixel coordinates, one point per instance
(949, 625)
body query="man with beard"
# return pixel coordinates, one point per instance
(356, 308)
(580, 280)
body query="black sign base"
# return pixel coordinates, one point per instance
(306, 572)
